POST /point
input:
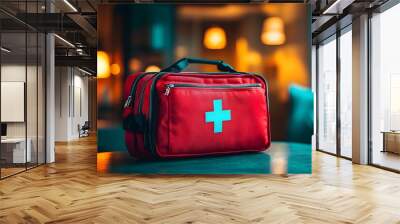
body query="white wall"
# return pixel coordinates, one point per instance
(81, 102)
(71, 94)
(61, 103)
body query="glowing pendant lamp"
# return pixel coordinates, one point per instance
(273, 31)
(214, 38)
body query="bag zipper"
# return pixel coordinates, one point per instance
(228, 86)
(150, 134)
(132, 92)
(141, 94)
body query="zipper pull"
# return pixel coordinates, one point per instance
(168, 89)
(128, 102)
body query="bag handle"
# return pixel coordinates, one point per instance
(181, 64)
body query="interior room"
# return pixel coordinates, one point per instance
(385, 87)
(188, 33)
(22, 100)
(60, 86)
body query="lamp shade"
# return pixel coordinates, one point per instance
(273, 32)
(214, 38)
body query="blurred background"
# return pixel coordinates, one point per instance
(269, 39)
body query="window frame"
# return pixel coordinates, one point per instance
(29, 29)
(333, 37)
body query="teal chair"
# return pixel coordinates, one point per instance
(301, 116)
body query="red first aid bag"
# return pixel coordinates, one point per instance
(172, 113)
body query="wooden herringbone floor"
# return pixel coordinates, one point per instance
(71, 191)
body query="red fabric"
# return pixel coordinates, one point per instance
(182, 130)
(128, 83)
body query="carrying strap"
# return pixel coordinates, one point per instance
(180, 65)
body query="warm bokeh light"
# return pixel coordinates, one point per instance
(247, 59)
(152, 68)
(279, 162)
(115, 69)
(273, 31)
(180, 52)
(290, 69)
(215, 38)
(103, 161)
(103, 65)
(135, 65)
(254, 58)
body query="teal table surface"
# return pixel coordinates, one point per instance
(280, 158)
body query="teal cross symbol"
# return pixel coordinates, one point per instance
(218, 116)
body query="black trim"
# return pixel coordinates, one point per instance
(37, 94)
(386, 6)
(45, 96)
(341, 24)
(385, 168)
(369, 89)
(316, 97)
(338, 99)
(26, 91)
(333, 154)
(45, 91)
(21, 171)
